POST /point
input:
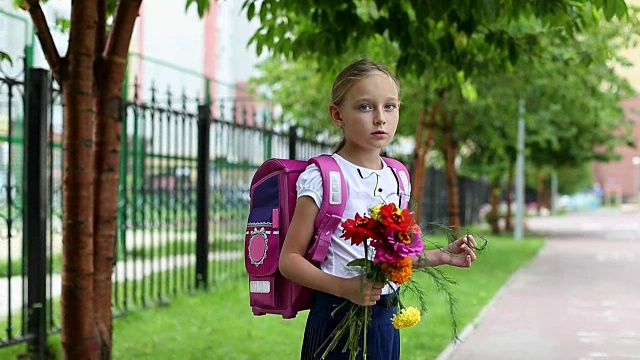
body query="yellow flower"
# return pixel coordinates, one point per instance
(375, 212)
(407, 317)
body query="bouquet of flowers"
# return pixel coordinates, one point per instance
(391, 237)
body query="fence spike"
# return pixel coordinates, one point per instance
(169, 96)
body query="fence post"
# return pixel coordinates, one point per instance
(37, 95)
(267, 128)
(293, 138)
(202, 226)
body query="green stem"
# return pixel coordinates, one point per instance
(366, 309)
(366, 326)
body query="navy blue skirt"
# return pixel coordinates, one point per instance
(383, 340)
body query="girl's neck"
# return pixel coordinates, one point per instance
(369, 160)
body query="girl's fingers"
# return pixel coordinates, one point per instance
(471, 241)
(470, 254)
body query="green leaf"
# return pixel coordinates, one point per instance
(259, 44)
(360, 262)
(251, 11)
(5, 57)
(188, 4)
(63, 24)
(491, 8)
(264, 9)
(203, 6)
(469, 92)
(111, 6)
(622, 9)
(614, 8)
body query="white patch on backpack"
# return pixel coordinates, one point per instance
(260, 287)
(335, 184)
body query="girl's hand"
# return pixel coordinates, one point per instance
(461, 252)
(361, 291)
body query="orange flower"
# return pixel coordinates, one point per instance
(399, 272)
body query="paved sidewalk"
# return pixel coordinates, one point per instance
(578, 299)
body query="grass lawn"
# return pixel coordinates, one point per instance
(218, 324)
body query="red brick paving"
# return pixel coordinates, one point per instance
(578, 299)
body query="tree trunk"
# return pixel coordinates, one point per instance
(450, 151)
(543, 192)
(91, 78)
(494, 201)
(421, 152)
(417, 178)
(540, 192)
(79, 336)
(107, 163)
(508, 217)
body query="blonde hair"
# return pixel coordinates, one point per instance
(350, 75)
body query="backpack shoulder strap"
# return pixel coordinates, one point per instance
(402, 176)
(334, 199)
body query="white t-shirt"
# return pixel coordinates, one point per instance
(366, 188)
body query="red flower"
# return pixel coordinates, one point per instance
(358, 229)
(393, 233)
(395, 220)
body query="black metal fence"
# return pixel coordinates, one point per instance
(473, 193)
(186, 168)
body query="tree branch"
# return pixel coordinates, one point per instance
(101, 28)
(119, 38)
(41, 28)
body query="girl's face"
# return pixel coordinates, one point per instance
(369, 113)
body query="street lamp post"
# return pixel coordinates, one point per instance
(518, 231)
(636, 166)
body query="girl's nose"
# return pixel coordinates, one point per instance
(379, 118)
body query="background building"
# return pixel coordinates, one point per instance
(620, 179)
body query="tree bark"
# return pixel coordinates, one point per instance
(41, 28)
(108, 135)
(508, 217)
(543, 192)
(419, 154)
(540, 192)
(79, 335)
(450, 151)
(494, 201)
(91, 78)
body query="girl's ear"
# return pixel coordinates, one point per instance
(334, 112)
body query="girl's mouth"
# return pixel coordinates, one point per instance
(379, 134)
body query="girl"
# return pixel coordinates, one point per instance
(365, 105)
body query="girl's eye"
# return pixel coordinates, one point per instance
(365, 107)
(391, 106)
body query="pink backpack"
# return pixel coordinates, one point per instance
(273, 199)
